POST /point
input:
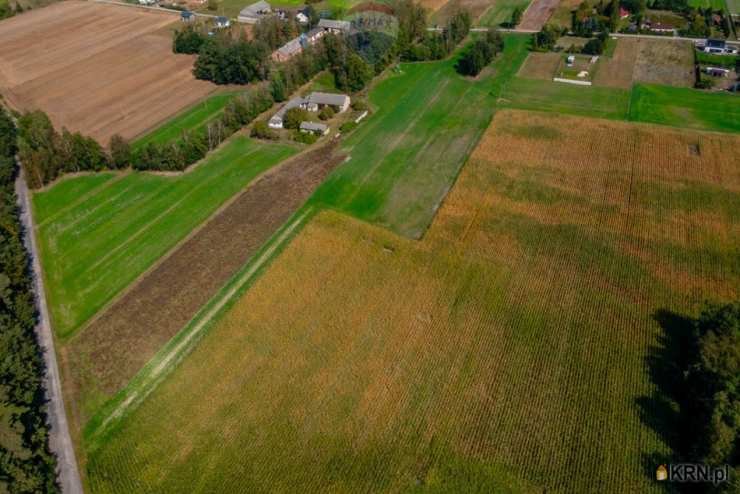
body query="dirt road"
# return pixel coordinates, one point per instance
(60, 441)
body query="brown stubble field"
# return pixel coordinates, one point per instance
(95, 68)
(514, 340)
(108, 352)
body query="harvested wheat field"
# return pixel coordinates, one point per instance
(96, 68)
(540, 66)
(510, 348)
(537, 14)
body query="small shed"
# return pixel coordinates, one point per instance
(314, 127)
(301, 18)
(187, 16)
(717, 71)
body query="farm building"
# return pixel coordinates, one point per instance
(313, 102)
(296, 45)
(718, 47)
(222, 22)
(251, 14)
(314, 127)
(301, 17)
(334, 26)
(187, 16)
(317, 101)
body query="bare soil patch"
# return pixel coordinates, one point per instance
(618, 70)
(668, 62)
(540, 66)
(106, 354)
(94, 68)
(537, 14)
(445, 10)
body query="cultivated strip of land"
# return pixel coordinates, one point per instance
(102, 358)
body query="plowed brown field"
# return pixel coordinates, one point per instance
(94, 68)
(537, 14)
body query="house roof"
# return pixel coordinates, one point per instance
(659, 25)
(222, 19)
(313, 126)
(255, 9)
(716, 43)
(291, 47)
(292, 103)
(334, 24)
(313, 32)
(327, 99)
(187, 14)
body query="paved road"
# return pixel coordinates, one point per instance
(60, 442)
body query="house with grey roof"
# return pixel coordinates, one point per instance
(316, 101)
(314, 127)
(334, 26)
(251, 14)
(276, 121)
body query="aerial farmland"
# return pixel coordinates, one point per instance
(446, 246)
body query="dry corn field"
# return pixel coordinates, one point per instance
(510, 347)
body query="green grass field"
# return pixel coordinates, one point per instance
(193, 118)
(405, 157)
(97, 233)
(530, 94)
(684, 107)
(714, 4)
(501, 11)
(518, 356)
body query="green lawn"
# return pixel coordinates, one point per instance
(501, 11)
(591, 101)
(715, 4)
(685, 107)
(405, 157)
(194, 118)
(98, 233)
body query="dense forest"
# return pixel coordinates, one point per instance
(26, 465)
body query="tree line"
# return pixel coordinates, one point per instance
(26, 464)
(700, 370)
(480, 54)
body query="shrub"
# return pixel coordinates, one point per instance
(326, 113)
(305, 137)
(120, 152)
(293, 118)
(261, 130)
(359, 105)
(347, 127)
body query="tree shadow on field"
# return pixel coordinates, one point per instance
(661, 411)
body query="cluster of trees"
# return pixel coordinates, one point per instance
(221, 58)
(597, 45)
(480, 54)
(701, 22)
(436, 45)
(47, 154)
(546, 39)
(708, 390)
(194, 145)
(275, 32)
(351, 72)
(26, 464)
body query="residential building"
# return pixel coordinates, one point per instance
(251, 14)
(334, 26)
(315, 127)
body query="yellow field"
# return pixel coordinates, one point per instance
(509, 348)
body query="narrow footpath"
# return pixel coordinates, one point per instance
(60, 442)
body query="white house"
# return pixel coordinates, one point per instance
(301, 18)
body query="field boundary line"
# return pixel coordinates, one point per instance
(149, 7)
(168, 358)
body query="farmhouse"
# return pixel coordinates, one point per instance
(314, 127)
(719, 47)
(251, 14)
(659, 27)
(296, 45)
(335, 27)
(313, 102)
(317, 101)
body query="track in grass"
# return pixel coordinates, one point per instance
(97, 233)
(510, 348)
